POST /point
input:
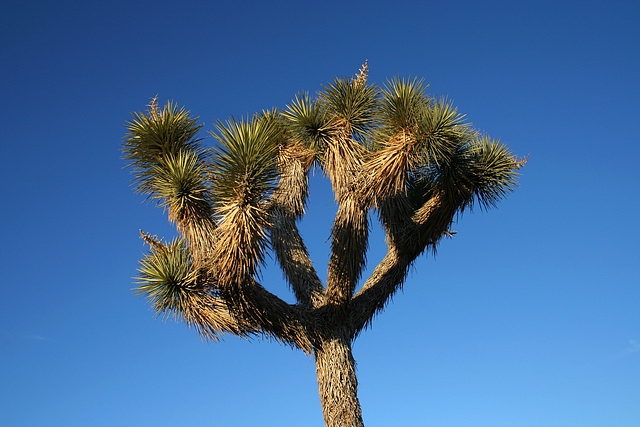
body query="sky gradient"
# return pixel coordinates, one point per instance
(529, 316)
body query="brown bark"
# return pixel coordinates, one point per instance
(337, 384)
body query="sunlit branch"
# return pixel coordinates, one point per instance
(287, 205)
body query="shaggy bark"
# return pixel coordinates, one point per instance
(337, 384)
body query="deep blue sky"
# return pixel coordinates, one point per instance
(530, 316)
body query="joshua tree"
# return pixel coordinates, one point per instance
(410, 158)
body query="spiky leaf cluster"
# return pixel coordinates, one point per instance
(494, 171)
(167, 279)
(417, 135)
(155, 136)
(351, 105)
(308, 123)
(245, 159)
(479, 171)
(402, 103)
(180, 182)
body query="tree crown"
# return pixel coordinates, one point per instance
(410, 157)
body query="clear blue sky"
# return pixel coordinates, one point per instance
(530, 316)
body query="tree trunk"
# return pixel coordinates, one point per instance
(337, 384)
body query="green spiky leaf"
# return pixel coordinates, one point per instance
(495, 171)
(441, 131)
(402, 103)
(245, 161)
(352, 105)
(156, 134)
(307, 122)
(166, 279)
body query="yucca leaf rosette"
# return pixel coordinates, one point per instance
(245, 170)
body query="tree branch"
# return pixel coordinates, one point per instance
(258, 311)
(348, 249)
(407, 238)
(350, 232)
(385, 280)
(294, 260)
(287, 205)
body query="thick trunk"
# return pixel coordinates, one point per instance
(337, 384)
